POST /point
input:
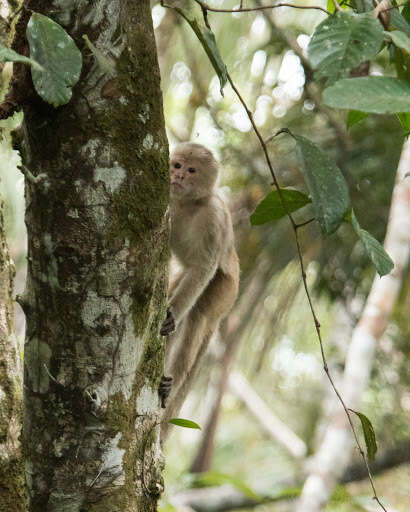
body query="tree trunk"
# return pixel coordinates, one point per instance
(335, 451)
(11, 466)
(97, 270)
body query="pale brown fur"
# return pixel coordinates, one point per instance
(204, 291)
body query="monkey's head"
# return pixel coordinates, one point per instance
(193, 171)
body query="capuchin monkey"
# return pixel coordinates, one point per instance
(205, 288)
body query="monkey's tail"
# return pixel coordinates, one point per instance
(179, 394)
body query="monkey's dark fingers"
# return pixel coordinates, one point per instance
(164, 389)
(168, 327)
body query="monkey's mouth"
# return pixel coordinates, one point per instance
(176, 185)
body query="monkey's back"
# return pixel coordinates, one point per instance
(205, 234)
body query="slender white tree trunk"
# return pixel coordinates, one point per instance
(11, 467)
(335, 451)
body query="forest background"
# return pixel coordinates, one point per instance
(268, 343)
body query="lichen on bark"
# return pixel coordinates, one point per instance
(97, 270)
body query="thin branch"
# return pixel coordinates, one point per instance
(304, 223)
(207, 7)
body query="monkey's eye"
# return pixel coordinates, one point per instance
(177, 165)
(191, 170)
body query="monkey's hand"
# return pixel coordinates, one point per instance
(164, 389)
(168, 327)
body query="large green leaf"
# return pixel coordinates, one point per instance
(369, 435)
(56, 52)
(399, 22)
(400, 39)
(374, 249)
(326, 184)
(341, 42)
(374, 94)
(271, 208)
(9, 55)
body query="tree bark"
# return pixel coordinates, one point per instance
(335, 451)
(97, 269)
(11, 466)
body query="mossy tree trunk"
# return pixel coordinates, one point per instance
(97, 269)
(11, 466)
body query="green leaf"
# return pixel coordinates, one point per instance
(180, 422)
(354, 117)
(369, 435)
(56, 52)
(341, 42)
(398, 21)
(326, 184)
(207, 39)
(270, 208)
(404, 118)
(406, 12)
(9, 55)
(331, 6)
(214, 478)
(381, 260)
(400, 39)
(373, 94)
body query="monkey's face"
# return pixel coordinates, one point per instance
(193, 171)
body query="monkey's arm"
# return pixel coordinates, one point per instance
(190, 289)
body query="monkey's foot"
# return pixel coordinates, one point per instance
(164, 389)
(168, 327)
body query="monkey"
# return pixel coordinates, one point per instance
(202, 293)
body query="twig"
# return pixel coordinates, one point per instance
(207, 7)
(304, 223)
(49, 374)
